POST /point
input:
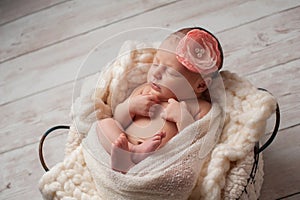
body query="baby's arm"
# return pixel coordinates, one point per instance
(123, 115)
(178, 112)
(186, 117)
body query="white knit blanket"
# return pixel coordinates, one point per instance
(247, 110)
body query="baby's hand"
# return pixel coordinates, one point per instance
(178, 113)
(141, 105)
(174, 110)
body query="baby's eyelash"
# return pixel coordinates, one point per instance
(172, 72)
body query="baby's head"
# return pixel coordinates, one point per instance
(186, 61)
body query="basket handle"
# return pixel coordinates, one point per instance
(275, 130)
(41, 155)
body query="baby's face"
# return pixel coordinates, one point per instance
(170, 79)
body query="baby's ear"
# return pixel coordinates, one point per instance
(202, 84)
(208, 81)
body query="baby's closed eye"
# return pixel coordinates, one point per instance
(172, 72)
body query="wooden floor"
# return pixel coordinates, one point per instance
(44, 42)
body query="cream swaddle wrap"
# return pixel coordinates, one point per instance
(170, 173)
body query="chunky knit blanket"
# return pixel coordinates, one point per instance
(224, 173)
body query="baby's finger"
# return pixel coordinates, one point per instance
(147, 113)
(163, 115)
(148, 102)
(153, 98)
(161, 134)
(171, 100)
(151, 114)
(183, 104)
(151, 111)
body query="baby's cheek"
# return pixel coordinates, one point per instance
(181, 86)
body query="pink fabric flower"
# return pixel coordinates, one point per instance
(198, 51)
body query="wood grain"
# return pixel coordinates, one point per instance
(266, 43)
(65, 21)
(11, 10)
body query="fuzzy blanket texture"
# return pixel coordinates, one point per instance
(224, 172)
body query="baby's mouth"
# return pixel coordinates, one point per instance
(155, 86)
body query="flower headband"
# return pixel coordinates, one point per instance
(198, 51)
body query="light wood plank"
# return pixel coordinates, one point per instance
(282, 163)
(292, 197)
(47, 69)
(11, 10)
(21, 169)
(263, 44)
(63, 21)
(24, 122)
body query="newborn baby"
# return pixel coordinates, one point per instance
(171, 99)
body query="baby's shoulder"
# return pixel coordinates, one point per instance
(204, 108)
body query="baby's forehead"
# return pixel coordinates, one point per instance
(170, 43)
(166, 55)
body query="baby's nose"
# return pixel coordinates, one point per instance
(158, 73)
